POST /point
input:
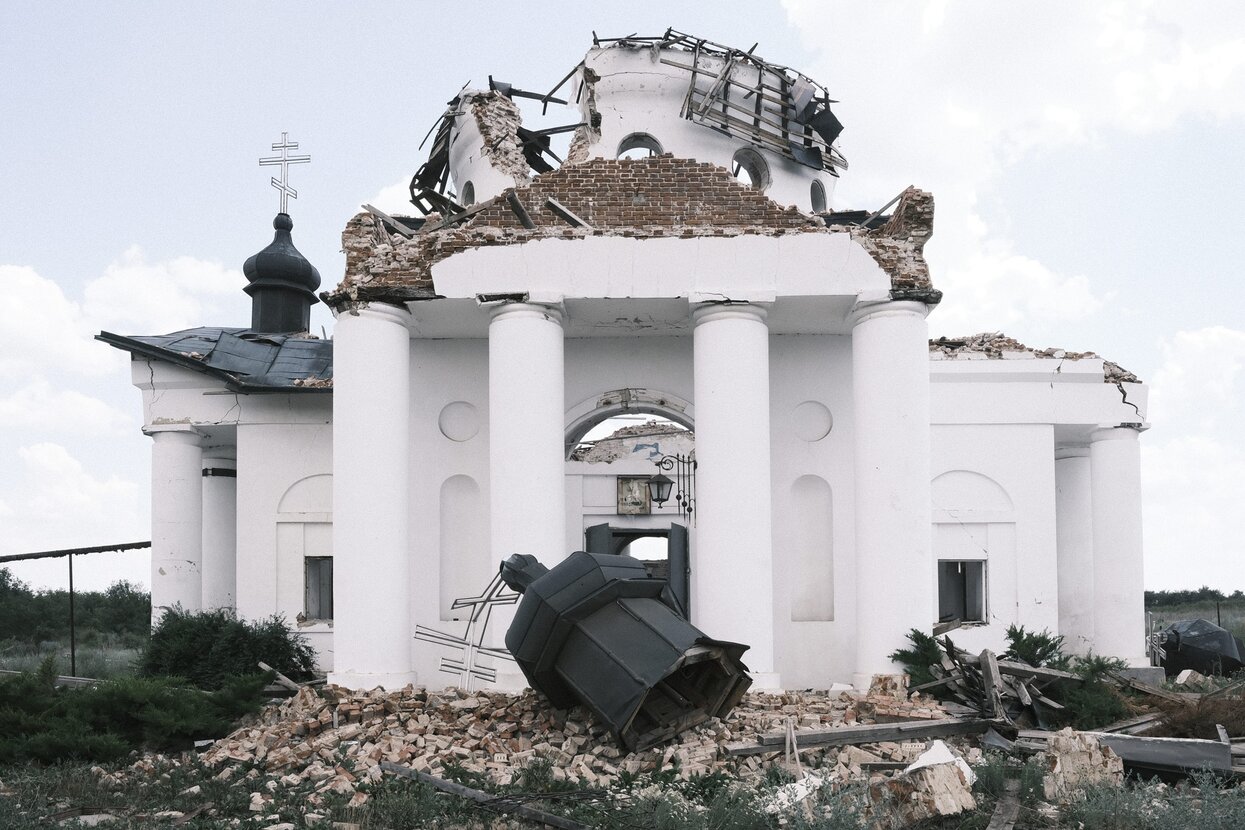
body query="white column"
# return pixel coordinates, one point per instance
(895, 575)
(220, 532)
(176, 520)
(1074, 545)
(527, 470)
(371, 467)
(733, 568)
(1119, 587)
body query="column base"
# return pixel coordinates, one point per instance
(362, 681)
(765, 681)
(508, 681)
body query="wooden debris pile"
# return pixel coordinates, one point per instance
(1001, 690)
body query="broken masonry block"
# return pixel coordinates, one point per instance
(597, 631)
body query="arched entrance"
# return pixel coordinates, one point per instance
(613, 443)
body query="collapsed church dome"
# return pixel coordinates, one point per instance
(637, 97)
(281, 282)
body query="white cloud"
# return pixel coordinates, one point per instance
(136, 296)
(55, 502)
(41, 327)
(39, 405)
(995, 289)
(949, 96)
(394, 199)
(1193, 461)
(45, 331)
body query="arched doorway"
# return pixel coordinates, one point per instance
(613, 445)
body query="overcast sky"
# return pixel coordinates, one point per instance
(1086, 160)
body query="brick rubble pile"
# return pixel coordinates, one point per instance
(334, 740)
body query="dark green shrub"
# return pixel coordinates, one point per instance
(209, 648)
(916, 660)
(1035, 648)
(39, 722)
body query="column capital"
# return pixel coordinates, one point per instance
(1123, 432)
(887, 308)
(507, 311)
(706, 312)
(174, 433)
(386, 312)
(1071, 451)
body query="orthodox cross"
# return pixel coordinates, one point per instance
(471, 644)
(284, 160)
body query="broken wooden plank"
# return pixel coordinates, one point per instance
(1231, 688)
(1134, 726)
(520, 212)
(279, 678)
(992, 681)
(1014, 669)
(1008, 808)
(864, 734)
(404, 230)
(564, 213)
(480, 797)
(1147, 689)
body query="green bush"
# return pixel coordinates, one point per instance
(917, 659)
(1035, 648)
(39, 722)
(211, 647)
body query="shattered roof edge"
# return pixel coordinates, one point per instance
(232, 382)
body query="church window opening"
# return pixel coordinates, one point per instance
(319, 587)
(639, 146)
(750, 169)
(961, 591)
(817, 195)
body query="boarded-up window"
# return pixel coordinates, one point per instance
(319, 603)
(962, 591)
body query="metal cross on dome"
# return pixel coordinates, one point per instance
(284, 160)
(471, 643)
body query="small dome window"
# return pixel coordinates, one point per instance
(817, 194)
(749, 168)
(639, 146)
(468, 195)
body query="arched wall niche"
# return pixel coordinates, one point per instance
(812, 579)
(465, 566)
(313, 494)
(968, 490)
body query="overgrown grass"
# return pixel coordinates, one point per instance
(659, 800)
(102, 658)
(1230, 613)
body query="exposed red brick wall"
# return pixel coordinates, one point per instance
(635, 193)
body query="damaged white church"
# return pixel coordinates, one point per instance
(853, 480)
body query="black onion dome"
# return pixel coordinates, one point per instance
(282, 283)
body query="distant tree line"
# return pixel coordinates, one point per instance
(123, 610)
(1160, 599)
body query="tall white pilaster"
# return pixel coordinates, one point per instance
(1074, 545)
(894, 560)
(733, 567)
(527, 470)
(176, 520)
(371, 488)
(220, 532)
(1119, 586)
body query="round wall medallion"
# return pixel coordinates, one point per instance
(459, 421)
(811, 421)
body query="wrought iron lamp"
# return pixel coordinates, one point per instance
(683, 485)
